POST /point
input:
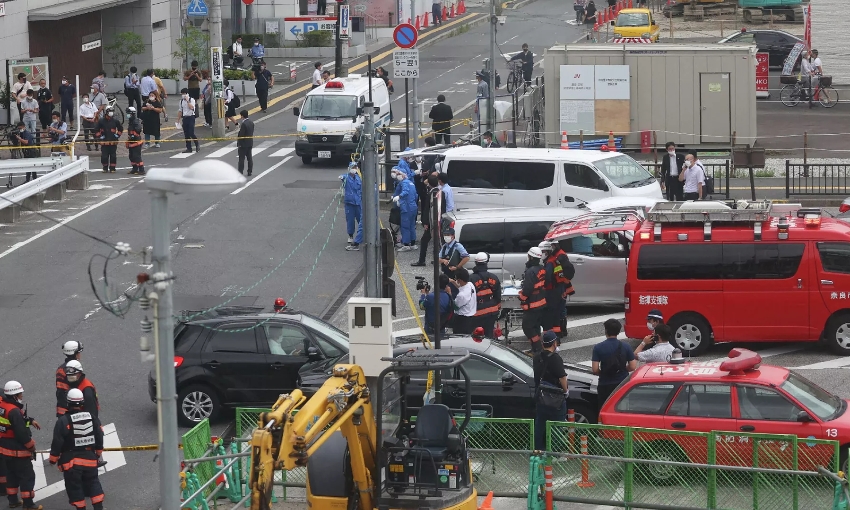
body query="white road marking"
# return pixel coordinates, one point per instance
(257, 178)
(406, 319)
(282, 152)
(44, 232)
(834, 363)
(598, 319)
(263, 146)
(223, 151)
(182, 155)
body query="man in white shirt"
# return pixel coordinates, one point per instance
(237, 53)
(694, 177)
(317, 75)
(19, 90)
(187, 118)
(465, 302)
(88, 117)
(448, 193)
(661, 351)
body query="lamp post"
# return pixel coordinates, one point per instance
(211, 176)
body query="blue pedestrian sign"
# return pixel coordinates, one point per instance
(344, 21)
(197, 8)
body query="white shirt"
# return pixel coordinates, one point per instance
(187, 107)
(805, 66)
(87, 110)
(660, 353)
(237, 49)
(816, 64)
(465, 300)
(674, 168)
(317, 77)
(19, 90)
(694, 176)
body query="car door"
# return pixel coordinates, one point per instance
(700, 407)
(487, 236)
(834, 274)
(232, 356)
(476, 183)
(530, 184)
(488, 392)
(581, 183)
(286, 346)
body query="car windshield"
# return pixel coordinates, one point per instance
(632, 19)
(819, 402)
(513, 360)
(325, 106)
(335, 335)
(624, 172)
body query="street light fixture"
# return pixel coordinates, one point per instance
(211, 176)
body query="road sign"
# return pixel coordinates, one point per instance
(344, 21)
(197, 8)
(217, 71)
(296, 26)
(405, 36)
(406, 64)
(762, 75)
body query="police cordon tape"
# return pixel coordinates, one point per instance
(139, 448)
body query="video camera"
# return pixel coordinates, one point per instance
(422, 284)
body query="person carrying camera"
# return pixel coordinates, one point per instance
(656, 346)
(426, 302)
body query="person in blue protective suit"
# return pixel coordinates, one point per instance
(405, 197)
(404, 163)
(353, 198)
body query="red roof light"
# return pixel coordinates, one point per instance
(741, 360)
(334, 85)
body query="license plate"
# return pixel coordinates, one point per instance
(325, 154)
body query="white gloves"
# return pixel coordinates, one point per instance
(395, 199)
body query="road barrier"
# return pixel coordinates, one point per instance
(53, 182)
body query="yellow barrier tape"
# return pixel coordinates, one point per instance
(139, 448)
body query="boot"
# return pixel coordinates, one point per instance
(105, 169)
(14, 502)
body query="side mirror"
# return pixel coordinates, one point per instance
(313, 353)
(508, 379)
(804, 417)
(296, 111)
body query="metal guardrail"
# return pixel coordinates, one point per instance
(720, 172)
(816, 179)
(48, 180)
(24, 165)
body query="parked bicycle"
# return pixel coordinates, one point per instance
(794, 92)
(515, 77)
(112, 102)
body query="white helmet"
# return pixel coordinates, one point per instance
(73, 370)
(72, 347)
(75, 397)
(545, 246)
(13, 388)
(131, 110)
(481, 257)
(534, 253)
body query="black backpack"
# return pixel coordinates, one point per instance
(614, 364)
(235, 103)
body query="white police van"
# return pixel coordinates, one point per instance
(331, 114)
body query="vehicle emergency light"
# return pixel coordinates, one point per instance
(334, 85)
(812, 220)
(478, 334)
(741, 360)
(603, 148)
(782, 227)
(844, 207)
(279, 304)
(676, 357)
(178, 360)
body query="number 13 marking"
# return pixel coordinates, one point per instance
(831, 432)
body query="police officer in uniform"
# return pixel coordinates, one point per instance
(17, 447)
(109, 131)
(77, 444)
(488, 290)
(559, 271)
(73, 350)
(532, 298)
(134, 142)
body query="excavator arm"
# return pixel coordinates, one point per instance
(289, 434)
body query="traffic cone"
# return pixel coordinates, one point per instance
(611, 143)
(565, 142)
(630, 4)
(221, 478)
(487, 504)
(600, 19)
(445, 12)
(452, 12)
(417, 23)
(461, 7)
(408, 21)
(425, 21)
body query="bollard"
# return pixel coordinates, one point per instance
(452, 11)
(585, 482)
(565, 142)
(445, 13)
(571, 417)
(461, 7)
(612, 144)
(417, 23)
(547, 473)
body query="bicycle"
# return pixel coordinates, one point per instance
(792, 93)
(515, 78)
(112, 102)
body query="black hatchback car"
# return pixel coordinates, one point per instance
(245, 360)
(502, 381)
(776, 43)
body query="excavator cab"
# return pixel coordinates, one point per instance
(424, 463)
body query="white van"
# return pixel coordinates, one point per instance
(542, 177)
(330, 115)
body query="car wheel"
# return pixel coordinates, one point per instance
(838, 334)
(662, 473)
(690, 333)
(195, 403)
(306, 159)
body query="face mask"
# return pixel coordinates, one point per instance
(109, 114)
(447, 239)
(352, 171)
(671, 151)
(256, 44)
(650, 326)
(22, 130)
(400, 177)
(85, 100)
(64, 82)
(185, 96)
(93, 91)
(152, 98)
(687, 164)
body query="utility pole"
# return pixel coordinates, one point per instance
(216, 40)
(339, 68)
(166, 400)
(371, 241)
(491, 110)
(436, 241)
(415, 94)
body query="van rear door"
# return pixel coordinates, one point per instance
(476, 183)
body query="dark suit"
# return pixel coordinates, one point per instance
(675, 188)
(245, 144)
(441, 114)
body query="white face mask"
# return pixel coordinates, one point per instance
(64, 82)
(687, 164)
(85, 100)
(152, 98)
(400, 177)
(186, 96)
(447, 239)
(650, 326)
(671, 151)
(109, 114)
(352, 171)
(417, 172)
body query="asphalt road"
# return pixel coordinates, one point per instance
(233, 246)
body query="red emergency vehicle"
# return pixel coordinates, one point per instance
(737, 395)
(740, 272)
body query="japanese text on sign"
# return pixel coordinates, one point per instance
(406, 64)
(653, 300)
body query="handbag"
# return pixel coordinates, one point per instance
(547, 394)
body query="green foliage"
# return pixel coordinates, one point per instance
(237, 74)
(194, 45)
(124, 47)
(316, 38)
(168, 74)
(5, 94)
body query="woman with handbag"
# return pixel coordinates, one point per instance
(551, 388)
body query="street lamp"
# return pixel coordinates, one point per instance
(211, 176)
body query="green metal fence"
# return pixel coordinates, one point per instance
(196, 443)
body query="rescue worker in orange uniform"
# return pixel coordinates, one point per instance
(532, 298)
(488, 291)
(73, 350)
(77, 380)
(134, 142)
(108, 132)
(77, 444)
(559, 272)
(17, 447)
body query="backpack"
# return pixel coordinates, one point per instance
(708, 188)
(614, 364)
(235, 101)
(127, 90)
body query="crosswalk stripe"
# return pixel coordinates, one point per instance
(833, 363)
(263, 146)
(182, 155)
(282, 152)
(223, 151)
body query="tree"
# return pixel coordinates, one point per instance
(124, 47)
(194, 45)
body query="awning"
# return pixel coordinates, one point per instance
(72, 8)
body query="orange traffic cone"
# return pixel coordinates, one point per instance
(565, 142)
(417, 23)
(487, 504)
(630, 4)
(445, 12)
(425, 21)
(612, 145)
(461, 7)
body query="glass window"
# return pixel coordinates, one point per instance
(646, 399)
(327, 346)
(518, 362)
(486, 237)
(624, 172)
(479, 370)
(703, 400)
(286, 340)
(476, 174)
(765, 404)
(825, 405)
(680, 262)
(529, 176)
(326, 106)
(584, 177)
(237, 338)
(745, 38)
(335, 335)
(523, 235)
(754, 261)
(632, 19)
(186, 336)
(835, 257)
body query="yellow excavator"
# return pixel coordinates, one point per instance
(405, 457)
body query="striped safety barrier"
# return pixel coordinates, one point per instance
(627, 40)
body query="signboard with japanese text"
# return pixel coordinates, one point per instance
(791, 59)
(594, 98)
(293, 28)
(217, 71)
(762, 74)
(577, 82)
(612, 82)
(344, 21)
(406, 64)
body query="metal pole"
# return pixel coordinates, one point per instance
(436, 239)
(415, 104)
(169, 472)
(406, 113)
(249, 13)
(372, 276)
(215, 40)
(491, 110)
(235, 15)
(338, 53)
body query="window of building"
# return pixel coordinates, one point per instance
(159, 25)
